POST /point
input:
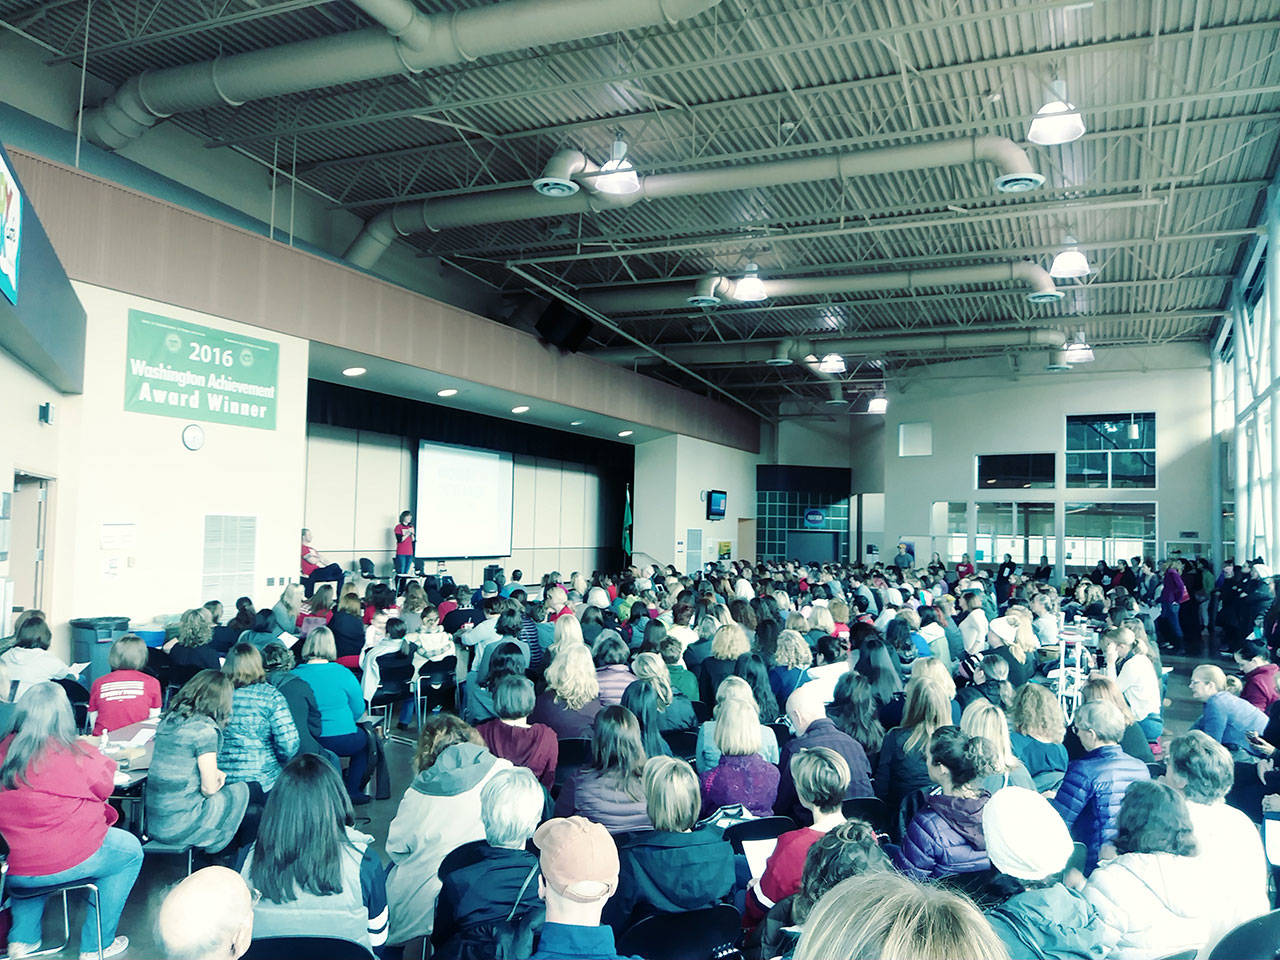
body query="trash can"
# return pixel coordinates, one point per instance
(91, 640)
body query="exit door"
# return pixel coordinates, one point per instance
(28, 543)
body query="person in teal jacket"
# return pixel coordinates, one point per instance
(341, 706)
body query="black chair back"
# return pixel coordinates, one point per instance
(682, 936)
(395, 674)
(440, 673)
(575, 752)
(367, 569)
(293, 948)
(1256, 939)
(702, 710)
(1189, 954)
(79, 698)
(683, 743)
(761, 828)
(871, 809)
(782, 731)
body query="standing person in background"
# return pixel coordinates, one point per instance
(406, 539)
(316, 568)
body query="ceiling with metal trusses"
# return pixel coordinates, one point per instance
(1181, 99)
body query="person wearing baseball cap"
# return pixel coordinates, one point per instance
(579, 864)
(1029, 844)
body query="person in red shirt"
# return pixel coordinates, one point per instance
(405, 540)
(316, 569)
(55, 817)
(125, 695)
(513, 738)
(821, 777)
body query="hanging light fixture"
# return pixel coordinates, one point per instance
(832, 363)
(1135, 431)
(878, 404)
(750, 287)
(1070, 262)
(617, 175)
(1058, 121)
(1078, 350)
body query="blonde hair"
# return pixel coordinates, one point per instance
(734, 688)
(730, 642)
(568, 632)
(793, 651)
(821, 777)
(672, 795)
(1211, 674)
(291, 597)
(882, 915)
(820, 619)
(910, 616)
(797, 622)
(982, 718)
(931, 668)
(350, 603)
(652, 669)
(1036, 712)
(128, 653)
(839, 610)
(319, 645)
(737, 728)
(571, 677)
(927, 708)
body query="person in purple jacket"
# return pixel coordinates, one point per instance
(945, 835)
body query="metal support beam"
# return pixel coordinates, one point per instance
(1242, 394)
(1271, 286)
(1215, 466)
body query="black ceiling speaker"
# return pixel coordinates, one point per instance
(563, 327)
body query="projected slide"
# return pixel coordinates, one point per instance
(464, 502)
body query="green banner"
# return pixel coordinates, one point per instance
(184, 370)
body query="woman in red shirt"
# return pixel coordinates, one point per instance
(125, 695)
(55, 817)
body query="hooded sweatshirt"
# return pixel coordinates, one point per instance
(945, 837)
(1157, 902)
(1052, 923)
(665, 872)
(440, 812)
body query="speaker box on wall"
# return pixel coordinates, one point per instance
(563, 327)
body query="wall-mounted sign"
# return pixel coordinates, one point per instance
(814, 519)
(10, 232)
(724, 549)
(1189, 534)
(178, 369)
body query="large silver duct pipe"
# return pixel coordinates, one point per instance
(705, 291)
(778, 352)
(569, 167)
(411, 41)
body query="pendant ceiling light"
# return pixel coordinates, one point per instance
(878, 405)
(1079, 351)
(1058, 121)
(617, 175)
(750, 288)
(1070, 263)
(832, 363)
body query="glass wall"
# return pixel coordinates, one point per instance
(1024, 530)
(1108, 532)
(1111, 451)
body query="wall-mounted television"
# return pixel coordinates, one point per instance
(716, 501)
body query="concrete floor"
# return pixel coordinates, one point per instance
(160, 872)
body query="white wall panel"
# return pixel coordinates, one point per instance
(379, 497)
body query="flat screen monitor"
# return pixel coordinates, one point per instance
(716, 501)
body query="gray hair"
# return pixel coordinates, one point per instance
(1204, 766)
(1101, 718)
(510, 807)
(42, 721)
(598, 597)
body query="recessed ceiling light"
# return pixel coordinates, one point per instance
(354, 372)
(625, 433)
(447, 392)
(520, 409)
(576, 423)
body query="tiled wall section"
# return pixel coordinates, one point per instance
(778, 511)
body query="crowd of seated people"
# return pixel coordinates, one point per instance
(918, 696)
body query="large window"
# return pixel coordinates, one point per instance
(1111, 451)
(1015, 471)
(1024, 530)
(949, 529)
(1109, 532)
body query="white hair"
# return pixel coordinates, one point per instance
(510, 807)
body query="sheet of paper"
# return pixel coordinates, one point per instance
(757, 853)
(78, 668)
(122, 778)
(141, 737)
(1271, 839)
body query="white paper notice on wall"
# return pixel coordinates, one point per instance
(118, 536)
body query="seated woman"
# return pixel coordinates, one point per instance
(1133, 741)
(484, 882)
(341, 704)
(1037, 728)
(752, 668)
(318, 611)
(125, 695)
(260, 736)
(278, 664)
(792, 659)
(262, 631)
(512, 737)
(854, 711)
(1154, 892)
(821, 777)
(877, 663)
(1138, 679)
(609, 790)
(29, 661)
(708, 754)
(189, 802)
(984, 719)
(571, 700)
(507, 660)
(347, 625)
(849, 849)
(316, 875)
(285, 612)
(903, 766)
(57, 822)
(729, 643)
(612, 671)
(640, 699)
(742, 775)
(675, 712)
(192, 650)
(439, 812)
(884, 916)
(945, 835)
(676, 866)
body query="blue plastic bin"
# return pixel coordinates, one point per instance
(91, 640)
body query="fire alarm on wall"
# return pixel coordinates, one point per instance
(46, 413)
